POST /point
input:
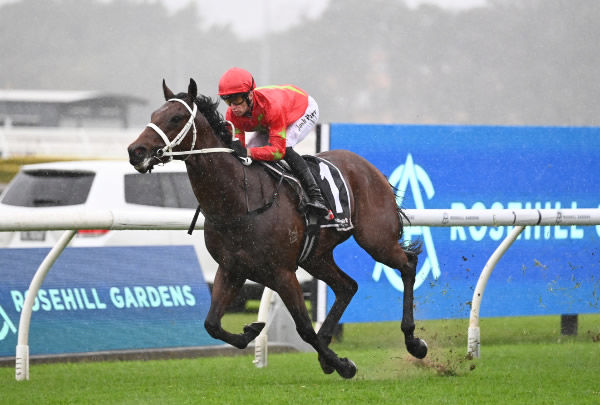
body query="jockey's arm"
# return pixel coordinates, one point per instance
(275, 149)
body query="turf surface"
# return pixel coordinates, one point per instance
(523, 360)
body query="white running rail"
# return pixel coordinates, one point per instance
(519, 219)
(128, 220)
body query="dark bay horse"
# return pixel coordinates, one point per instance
(264, 247)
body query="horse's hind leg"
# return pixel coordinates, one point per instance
(223, 293)
(384, 247)
(288, 288)
(344, 287)
(415, 346)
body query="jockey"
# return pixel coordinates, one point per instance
(283, 115)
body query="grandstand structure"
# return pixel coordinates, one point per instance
(66, 123)
(54, 108)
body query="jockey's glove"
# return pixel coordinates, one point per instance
(238, 149)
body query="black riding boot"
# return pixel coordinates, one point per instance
(300, 168)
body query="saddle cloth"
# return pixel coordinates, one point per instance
(335, 191)
(332, 184)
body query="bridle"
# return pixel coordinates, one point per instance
(167, 150)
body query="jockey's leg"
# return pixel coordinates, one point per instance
(300, 168)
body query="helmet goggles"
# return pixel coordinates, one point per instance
(235, 99)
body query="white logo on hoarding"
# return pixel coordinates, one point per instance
(7, 325)
(402, 177)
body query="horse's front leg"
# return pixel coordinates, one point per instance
(415, 346)
(225, 289)
(289, 290)
(344, 288)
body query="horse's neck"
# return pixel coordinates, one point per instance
(218, 182)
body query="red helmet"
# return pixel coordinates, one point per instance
(236, 80)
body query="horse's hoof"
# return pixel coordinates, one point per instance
(349, 368)
(418, 348)
(253, 330)
(327, 369)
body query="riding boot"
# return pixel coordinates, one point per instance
(300, 168)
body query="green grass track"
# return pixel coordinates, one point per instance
(523, 361)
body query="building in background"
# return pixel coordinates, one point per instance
(78, 124)
(47, 108)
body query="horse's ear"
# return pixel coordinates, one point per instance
(167, 91)
(192, 89)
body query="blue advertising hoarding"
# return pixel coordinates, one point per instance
(548, 270)
(106, 298)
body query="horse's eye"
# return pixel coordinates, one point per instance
(176, 118)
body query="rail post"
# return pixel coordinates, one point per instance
(474, 333)
(22, 352)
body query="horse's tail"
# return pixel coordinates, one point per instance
(414, 247)
(409, 246)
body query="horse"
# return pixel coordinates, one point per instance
(262, 245)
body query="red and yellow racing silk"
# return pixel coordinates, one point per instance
(274, 109)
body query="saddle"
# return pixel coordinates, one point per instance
(335, 193)
(330, 181)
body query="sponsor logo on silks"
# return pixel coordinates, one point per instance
(7, 325)
(414, 176)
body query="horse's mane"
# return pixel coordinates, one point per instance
(208, 108)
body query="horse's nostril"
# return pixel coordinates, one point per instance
(136, 153)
